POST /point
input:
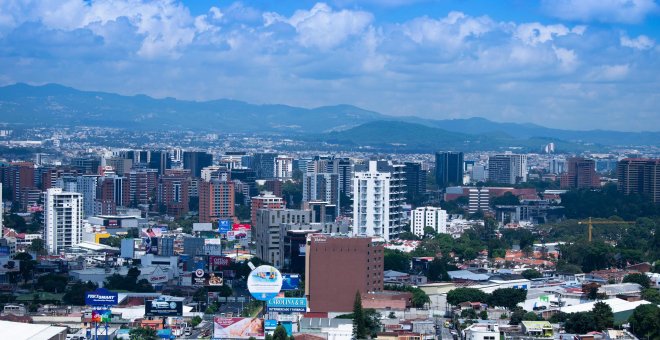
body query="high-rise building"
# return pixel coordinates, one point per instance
(216, 200)
(557, 166)
(196, 161)
(344, 167)
(339, 267)
(63, 215)
(19, 176)
(160, 160)
(122, 166)
(379, 192)
(448, 168)
(507, 168)
(87, 186)
(173, 192)
(265, 200)
(264, 165)
(50, 176)
(143, 186)
(431, 217)
(640, 176)
(266, 231)
(478, 199)
(248, 177)
(321, 187)
(283, 167)
(580, 174)
(86, 165)
(415, 181)
(2, 206)
(114, 188)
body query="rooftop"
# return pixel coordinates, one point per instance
(20, 331)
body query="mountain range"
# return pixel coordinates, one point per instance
(57, 105)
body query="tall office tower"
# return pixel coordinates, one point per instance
(87, 186)
(176, 155)
(143, 186)
(63, 214)
(479, 173)
(160, 160)
(639, 176)
(267, 234)
(344, 167)
(19, 176)
(283, 167)
(415, 180)
(216, 200)
(265, 200)
(67, 183)
(557, 166)
(321, 187)
(196, 161)
(337, 268)
(580, 174)
(248, 177)
(122, 166)
(215, 172)
(478, 199)
(114, 188)
(1, 213)
(264, 165)
(173, 192)
(431, 217)
(50, 176)
(86, 165)
(507, 169)
(448, 168)
(379, 192)
(232, 160)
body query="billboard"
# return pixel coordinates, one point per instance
(270, 324)
(212, 249)
(101, 297)
(202, 277)
(152, 232)
(99, 316)
(241, 227)
(224, 226)
(290, 281)
(237, 328)
(8, 264)
(219, 261)
(264, 282)
(202, 226)
(150, 245)
(287, 305)
(163, 308)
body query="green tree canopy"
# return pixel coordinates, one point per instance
(645, 322)
(396, 260)
(508, 297)
(75, 294)
(638, 278)
(530, 274)
(603, 315)
(280, 333)
(359, 325)
(141, 333)
(459, 295)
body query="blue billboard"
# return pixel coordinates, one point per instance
(224, 226)
(101, 297)
(290, 281)
(287, 305)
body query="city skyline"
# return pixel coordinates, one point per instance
(583, 65)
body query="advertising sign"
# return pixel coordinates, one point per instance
(99, 316)
(219, 262)
(4, 251)
(241, 227)
(150, 245)
(237, 328)
(199, 277)
(202, 227)
(152, 232)
(224, 226)
(231, 236)
(101, 297)
(212, 249)
(287, 305)
(204, 278)
(8, 264)
(264, 282)
(290, 281)
(270, 324)
(163, 308)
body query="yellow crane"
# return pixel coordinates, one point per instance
(590, 224)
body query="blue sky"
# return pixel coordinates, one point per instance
(575, 64)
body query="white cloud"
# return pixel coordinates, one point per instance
(610, 72)
(323, 27)
(567, 58)
(450, 32)
(642, 42)
(609, 11)
(535, 33)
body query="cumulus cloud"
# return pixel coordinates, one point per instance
(450, 31)
(642, 42)
(609, 11)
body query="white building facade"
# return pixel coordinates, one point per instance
(63, 215)
(379, 192)
(432, 217)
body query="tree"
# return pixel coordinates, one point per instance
(558, 317)
(508, 297)
(651, 295)
(458, 295)
(639, 278)
(645, 321)
(196, 320)
(531, 316)
(75, 294)
(419, 298)
(37, 246)
(483, 315)
(530, 274)
(396, 260)
(27, 265)
(603, 316)
(141, 333)
(469, 313)
(52, 283)
(517, 316)
(507, 199)
(359, 326)
(438, 270)
(280, 333)
(580, 323)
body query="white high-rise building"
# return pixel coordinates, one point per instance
(379, 192)
(432, 217)
(283, 167)
(87, 186)
(507, 168)
(63, 214)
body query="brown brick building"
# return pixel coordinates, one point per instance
(337, 268)
(580, 174)
(639, 176)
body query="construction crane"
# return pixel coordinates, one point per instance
(590, 224)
